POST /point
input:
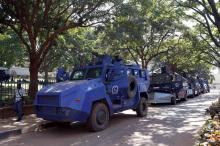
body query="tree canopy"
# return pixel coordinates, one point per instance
(39, 22)
(141, 28)
(10, 50)
(206, 16)
(54, 33)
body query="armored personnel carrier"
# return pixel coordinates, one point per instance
(94, 93)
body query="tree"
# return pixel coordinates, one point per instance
(187, 56)
(207, 16)
(39, 22)
(141, 28)
(10, 47)
(71, 49)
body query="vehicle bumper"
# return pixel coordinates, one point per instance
(60, 114)
(159, 97)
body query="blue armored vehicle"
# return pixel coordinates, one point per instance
(167, 88)
(204, 86)
(94, 93)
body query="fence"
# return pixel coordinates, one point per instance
(7, 92)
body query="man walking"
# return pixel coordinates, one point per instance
(19, 93)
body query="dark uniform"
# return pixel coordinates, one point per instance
(19, 93)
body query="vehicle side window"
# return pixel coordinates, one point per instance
(129, 72)
(94, 73)
(136, 73)
(185, 84)
(116, 74)
(143, 74)
(78, 75)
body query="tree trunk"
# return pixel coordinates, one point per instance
(142, 62)
(46, 74)
(33, 87)
(146, 62)
(45, 68)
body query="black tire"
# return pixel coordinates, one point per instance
(142, 107)
(173, 100)
(193, 95)
(99, 117)
(132, 86)
(185, 97)
(197, 93)
(208, 90)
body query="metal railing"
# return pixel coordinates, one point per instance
(8, 88)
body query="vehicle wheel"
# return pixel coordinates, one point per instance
(99, 117)
(173, 100)
(142, 107)
(185, 97)
(193, 95)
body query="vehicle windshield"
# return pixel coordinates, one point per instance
(86, 73)
(166, 78)
(160, 79)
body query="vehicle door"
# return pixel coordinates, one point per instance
(116, 84)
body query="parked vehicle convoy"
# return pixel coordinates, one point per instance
(204, 85)
(207, 87)
(192, 85)
(167, 88)
(94, 93)
(195, 85)
(190, 88)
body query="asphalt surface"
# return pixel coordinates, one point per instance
(166, 125)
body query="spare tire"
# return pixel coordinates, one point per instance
(132, 86)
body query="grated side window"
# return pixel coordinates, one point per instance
(143, 75)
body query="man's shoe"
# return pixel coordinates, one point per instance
(18, 119)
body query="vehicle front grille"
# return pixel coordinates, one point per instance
(49, 100)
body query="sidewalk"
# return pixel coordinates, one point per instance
(9, 126)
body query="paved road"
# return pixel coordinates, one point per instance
(165, 125)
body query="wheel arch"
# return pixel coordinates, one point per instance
(144, 94)
(103, 100)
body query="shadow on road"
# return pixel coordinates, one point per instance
(165, 125)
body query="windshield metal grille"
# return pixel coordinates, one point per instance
(49, 100)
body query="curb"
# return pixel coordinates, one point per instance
(27, 129)
(7, 134)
